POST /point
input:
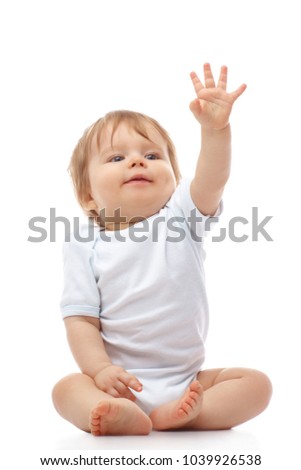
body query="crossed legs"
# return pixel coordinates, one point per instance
(218, 399)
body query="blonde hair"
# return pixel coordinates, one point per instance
(78, 167)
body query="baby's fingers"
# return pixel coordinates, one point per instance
(197, 84)
(236, 94)
(119, 390)
(131, 381)
(124, 392)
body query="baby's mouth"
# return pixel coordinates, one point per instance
(138, 179)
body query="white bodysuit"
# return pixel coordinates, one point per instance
(146, 284)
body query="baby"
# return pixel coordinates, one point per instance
(134, 300)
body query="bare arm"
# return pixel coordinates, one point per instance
(86, 344)
(88, 349)
(212, 109)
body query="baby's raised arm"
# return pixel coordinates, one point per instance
(212, 109)
(88, 349)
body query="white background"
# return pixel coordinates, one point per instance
(66, 63)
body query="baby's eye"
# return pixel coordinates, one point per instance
(151, 156)
(116, 158)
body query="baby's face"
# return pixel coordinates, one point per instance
(134, 175)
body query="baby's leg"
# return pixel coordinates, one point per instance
(79, 400)
(178, 413)
(231, 397)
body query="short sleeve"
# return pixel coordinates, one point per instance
(81, 295)
(182, 203)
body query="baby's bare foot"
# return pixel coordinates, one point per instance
(179, 413)
(118, 416)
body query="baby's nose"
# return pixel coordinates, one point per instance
(137, 161)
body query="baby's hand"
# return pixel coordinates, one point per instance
(116, 381)
(213, 104)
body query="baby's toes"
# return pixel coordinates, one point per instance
(194, 398)
(186, 407)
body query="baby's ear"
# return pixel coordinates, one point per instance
(90, 204)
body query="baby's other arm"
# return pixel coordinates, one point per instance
(88, 349)
(212, 109)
